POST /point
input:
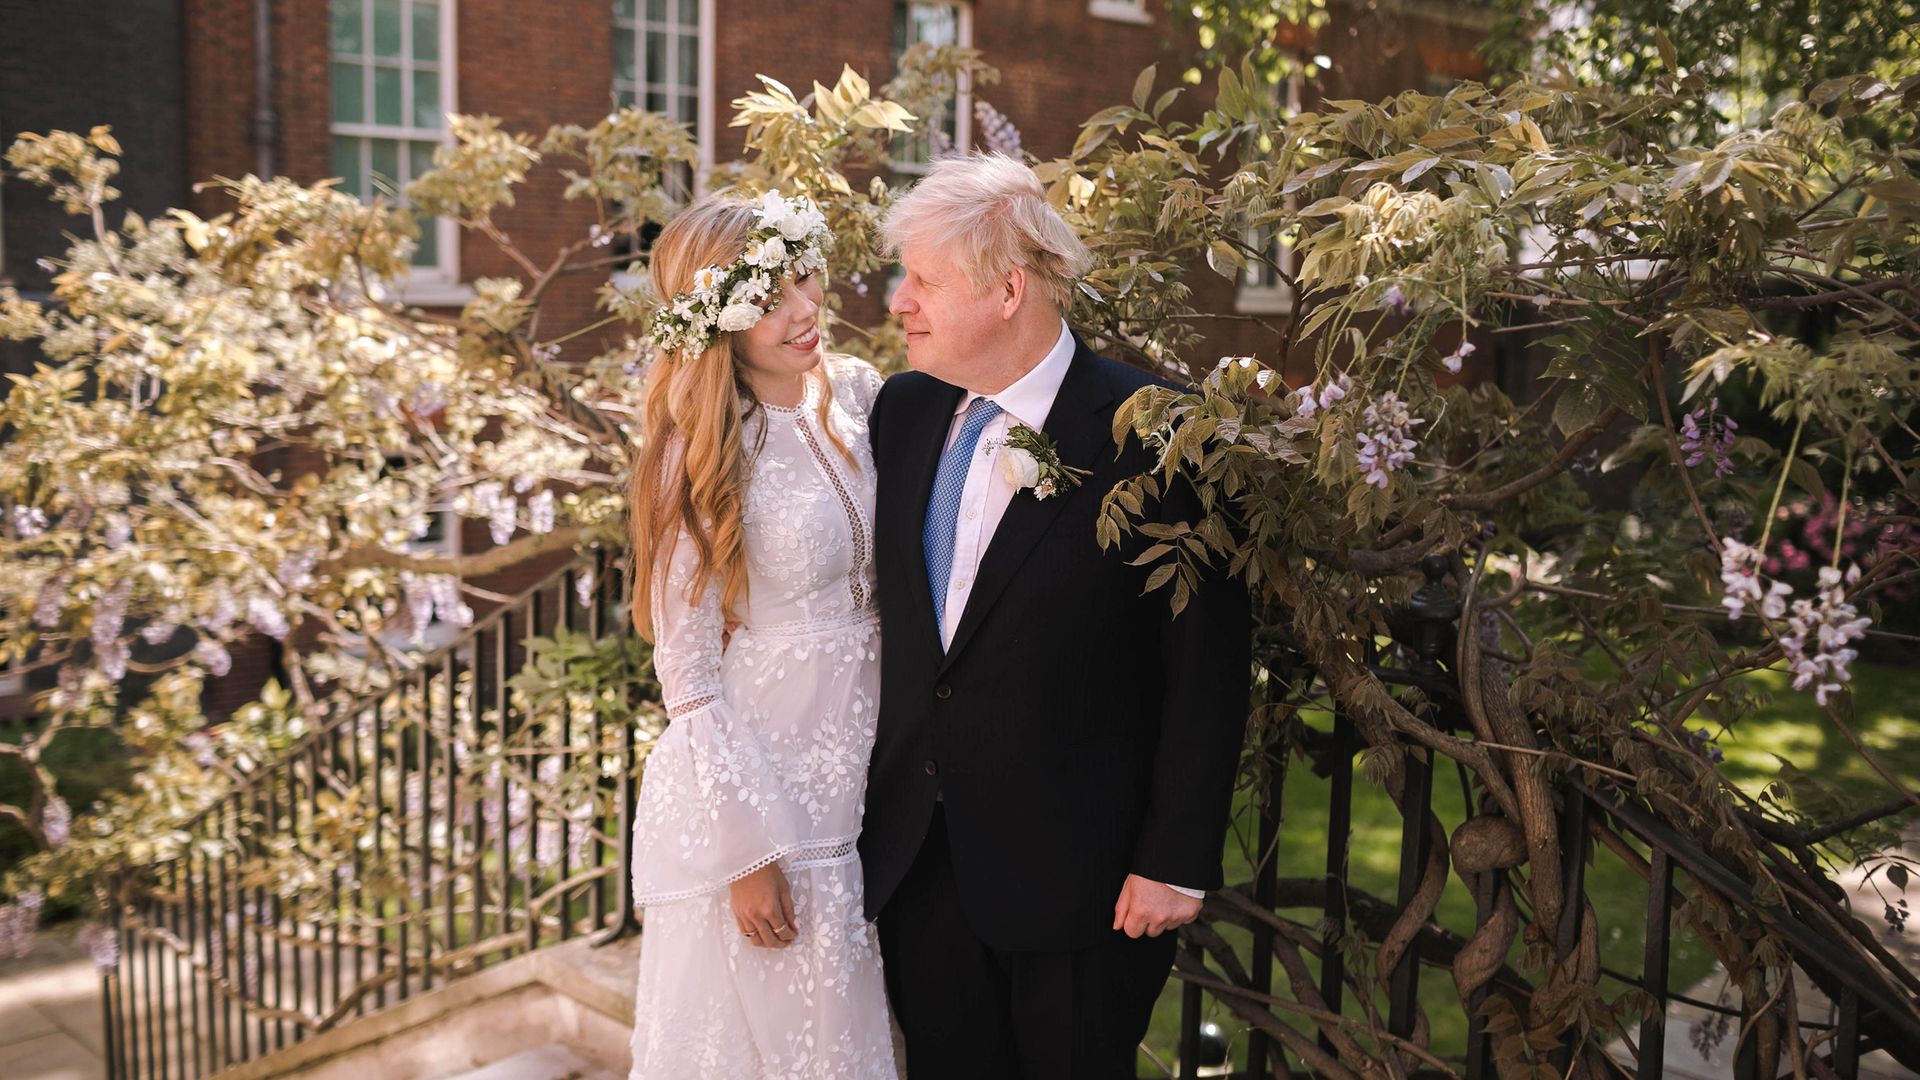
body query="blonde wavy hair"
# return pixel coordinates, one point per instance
(693, 463)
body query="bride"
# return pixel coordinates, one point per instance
(752, 515)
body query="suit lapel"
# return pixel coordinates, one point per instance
(919, 462)
(1078, 427)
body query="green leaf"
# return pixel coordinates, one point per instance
(1143, 86)
(1579, 404)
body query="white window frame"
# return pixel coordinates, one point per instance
(440, 284)
(702, 83)
(962, 93)
(1124, 11)
(1257, 295)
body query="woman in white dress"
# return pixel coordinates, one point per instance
(752, 510)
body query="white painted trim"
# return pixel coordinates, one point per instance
(445, 275)
(431, 292)
(1123, 11)
(963, 91)
(705, 130)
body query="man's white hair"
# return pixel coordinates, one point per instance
(992, 214)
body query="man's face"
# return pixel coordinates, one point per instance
(951, 325)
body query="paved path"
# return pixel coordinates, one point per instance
(50, 1014)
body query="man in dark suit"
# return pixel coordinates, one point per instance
(1055, 755)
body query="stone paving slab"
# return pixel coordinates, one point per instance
(50, 1014)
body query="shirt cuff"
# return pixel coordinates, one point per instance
(1197, 894)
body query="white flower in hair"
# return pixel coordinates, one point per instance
(770, 252)
(789, 238)
(739, 316)
(796, 227)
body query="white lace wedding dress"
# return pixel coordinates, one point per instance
(765, 759)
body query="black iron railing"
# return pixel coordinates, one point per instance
(1867, 1012)
(417, 834)
(444, 825)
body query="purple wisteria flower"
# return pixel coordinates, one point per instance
(1453, 360)
(56, 821)
(19, 921)
(1704, 745)
(266, 617)
(29, 521)
(1386, 438)
(1830, 623)
(1317, 396)
(102, 945)
(214, 655)
(540, 511)
(1740, 575)
(996, 131)
(1709, 432)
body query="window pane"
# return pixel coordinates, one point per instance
(386, 96)
(656, 101)
(347, 37)
(656, 70)
(426, 30)
(419, 159)
(386, 28)
(689, 74)
(346, 165)
(385, 166)
(349, 95)
(937, 24)
(428, 253)
(625, 97)
(623, 9)
(690, 14)
(657, 10)
(688, 112)
(623, 56)
(426, 99)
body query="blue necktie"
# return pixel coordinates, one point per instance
(943, 506)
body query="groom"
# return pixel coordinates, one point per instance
(1056, 752)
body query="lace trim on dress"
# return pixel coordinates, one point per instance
(864, 619)
(862, 536)
(810, 853)
(682, 707)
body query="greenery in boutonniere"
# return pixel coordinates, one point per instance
(1028, 460)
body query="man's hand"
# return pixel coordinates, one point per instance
(1150, 908)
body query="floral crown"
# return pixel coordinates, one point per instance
(791, 235)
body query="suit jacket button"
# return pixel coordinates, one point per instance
(943, 691)
(932, 769)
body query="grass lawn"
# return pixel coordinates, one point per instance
(1887, 719)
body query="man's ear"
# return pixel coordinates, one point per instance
(1013, 292)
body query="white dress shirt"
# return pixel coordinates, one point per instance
(985, 496)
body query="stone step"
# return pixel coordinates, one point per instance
(553, 1061)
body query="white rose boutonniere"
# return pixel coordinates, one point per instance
(1030, 463)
